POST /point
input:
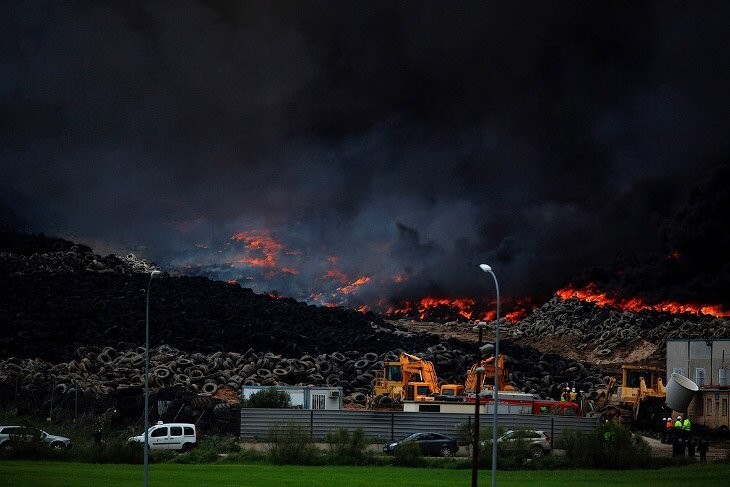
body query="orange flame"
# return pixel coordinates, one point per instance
(461, 306)
(335, 275)
(264, 247)
(592, 294)
(439, 309)
(354, 286)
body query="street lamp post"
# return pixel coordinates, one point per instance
(488, 270)
(475, 442)
(153, 274)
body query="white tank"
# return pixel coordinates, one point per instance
(680, 391)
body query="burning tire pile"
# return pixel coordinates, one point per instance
(603, 331)
(75, 322)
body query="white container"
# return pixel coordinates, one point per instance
(680, 391)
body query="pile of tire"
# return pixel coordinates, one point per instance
(604, 330)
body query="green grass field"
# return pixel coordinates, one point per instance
(53, 474)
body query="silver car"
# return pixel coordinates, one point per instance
(9, 434)
(534, 442)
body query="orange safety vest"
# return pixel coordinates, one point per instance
(669, 424)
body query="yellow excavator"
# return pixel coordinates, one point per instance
(411, 378)
(487, 384)
(638, 399)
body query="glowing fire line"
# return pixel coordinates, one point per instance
(591, 294)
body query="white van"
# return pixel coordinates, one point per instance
(170, 436)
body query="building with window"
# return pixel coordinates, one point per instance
(304, 397)
(706, 362)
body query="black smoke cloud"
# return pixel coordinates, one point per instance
(695, 269)
(406, 139)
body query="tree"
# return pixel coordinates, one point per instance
(268, 398)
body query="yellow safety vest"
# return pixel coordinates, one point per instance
(678, 424)
(687, 425)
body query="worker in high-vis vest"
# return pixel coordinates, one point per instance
(677, 430)
(686, 427)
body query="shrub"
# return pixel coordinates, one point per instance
(348, 447)
(290, 444)
(205, 452)
(268, 398)
(33, 449)
(247, 455)
(609, 446)
(465, 436)
(114, 450)
(408, 455)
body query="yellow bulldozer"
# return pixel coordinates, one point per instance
(638, 399)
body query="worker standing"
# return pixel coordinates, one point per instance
(566, 393)
(702, 447)
(675, 446)
(677, 430)
(686, 427)
(691, 445)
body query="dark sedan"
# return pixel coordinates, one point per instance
(433, 444)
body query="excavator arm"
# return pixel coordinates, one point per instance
(413, 366)
(488, 364)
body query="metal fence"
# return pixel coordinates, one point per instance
(381, 426)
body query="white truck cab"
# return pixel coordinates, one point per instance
(170, 436)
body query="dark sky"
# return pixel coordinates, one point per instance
(411, 139)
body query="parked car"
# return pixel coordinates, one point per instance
(10, 434)
(434, 444)
(534, 442)
(170, 436)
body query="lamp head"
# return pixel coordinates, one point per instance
(485, 267)
(154, 274)
(479, 326)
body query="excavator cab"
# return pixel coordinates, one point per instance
(418, 391)
(410, 378)
(394, 372)
(639, 383)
